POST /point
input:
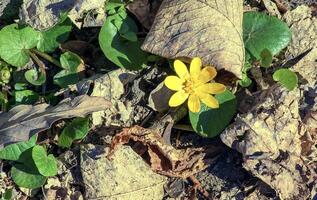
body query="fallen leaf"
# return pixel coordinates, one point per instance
(304, 27)
(23, 121)
(269, 138)
(128, 91)
(94, 7)
(309, 63)
(164, 158)
(44, 14)
(123, 177)
(208, 29)
(145, 10)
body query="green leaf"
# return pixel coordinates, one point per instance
(25, 97)
(117, 41)
(15, 43)
(76, 130)
(70, 61)
(210, 122)
(8, 194)
(245, 81)
(286, 77)
(50, 39)
(266, 58)
(26, 178)
(35, 77)
(46, 164)
(261, 31)
(65, 78)
(14, 151)
(25, 173)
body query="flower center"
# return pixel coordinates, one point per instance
(189, 86)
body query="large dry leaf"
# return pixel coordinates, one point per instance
(124, 177)
(270, 138)
(23, 121)
(164, 158)
(303, 25)
(210, 29)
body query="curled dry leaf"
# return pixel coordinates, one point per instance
(164, 158)
(270, 138)
(23, 121)
(211, 30)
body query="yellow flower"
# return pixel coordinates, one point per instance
(196, 85)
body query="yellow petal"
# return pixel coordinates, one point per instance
(181, 69)
(212, 88)
(207, 74)
(194, 103)
(178, 99)
(174, 83)
(210, 101)
(195, 67)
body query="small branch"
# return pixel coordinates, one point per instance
(46, 57)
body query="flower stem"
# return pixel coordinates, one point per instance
(46, 57)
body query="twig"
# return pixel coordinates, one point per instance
(47, 57)
(197, 185)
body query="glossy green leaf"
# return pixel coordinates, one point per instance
(50, 39)
(35, 77)
(14, 151)
(23, 178)
(65, 78)
(25, 97)
(117, 40)
(76, 130)
(46, 164)
(286, 77)
(261, 31)
(211, 122)
(25, 173)
(70, 61)
(15, 43)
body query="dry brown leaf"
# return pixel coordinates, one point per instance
(145, 10)
(309, 63)
(304, 27)
(124, 177)
(270, 140)
(23, 121)
(164, 158)
(208, 29)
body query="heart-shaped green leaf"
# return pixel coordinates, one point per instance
(118, 42)
(25, 173)
(25, 97)
(210, 122)
(261, 31)
(14, 151)
(76, 130)
(286, 77)
(26, 178)
(35, 77)
(46, 164)
(50, 39)
(15, 43)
